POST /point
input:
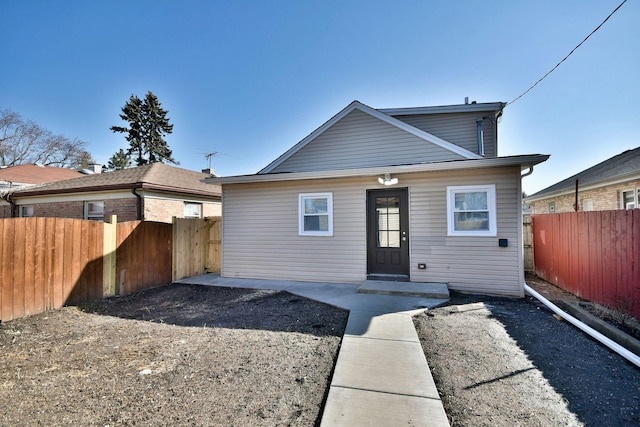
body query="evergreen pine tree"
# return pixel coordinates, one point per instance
(156, 126)
(148, 125)
(118, 161)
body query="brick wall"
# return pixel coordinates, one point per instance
(163, 210)
(5, 210)
(126, 209)
(604, 198)
(160, 210)
(74, 210)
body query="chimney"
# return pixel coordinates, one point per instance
(95, 168)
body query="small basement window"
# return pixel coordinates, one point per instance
(192, 210)
(315, 214)
(94, 211)
(27, 211)
(471, 210)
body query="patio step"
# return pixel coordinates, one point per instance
(413, 289)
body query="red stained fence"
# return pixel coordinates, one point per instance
(594, 255)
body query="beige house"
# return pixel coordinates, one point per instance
(413, 194)
(154, 192)
(610, 185)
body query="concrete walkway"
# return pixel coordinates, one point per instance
(381, 377)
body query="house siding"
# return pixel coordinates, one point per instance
(260, 233)
(458, 128)
(360, 140)
(603, 198)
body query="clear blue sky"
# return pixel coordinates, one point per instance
(251, 78)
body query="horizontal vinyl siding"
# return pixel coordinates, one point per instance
(260, 237)
(469, 264)
(460, 129)
(360, 140)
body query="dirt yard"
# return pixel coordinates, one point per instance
(510, 362)
(177, 355)
(202, 356)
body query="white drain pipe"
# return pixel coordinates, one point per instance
(631, 357)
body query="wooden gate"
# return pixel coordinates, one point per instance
(196, 246)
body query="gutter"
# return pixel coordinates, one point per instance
(524, 161)
(631, 357)
(96, 188)
(7, 198)
(139, 204)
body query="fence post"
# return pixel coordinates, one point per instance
(109, 257)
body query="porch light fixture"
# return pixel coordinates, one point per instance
(387, 180)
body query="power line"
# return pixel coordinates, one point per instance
(565, 58)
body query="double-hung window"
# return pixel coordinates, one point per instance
(315, 214)
(471, 210)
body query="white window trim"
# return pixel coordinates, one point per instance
(491, 206)
(194, 204)
(301, 199)
(86, 211)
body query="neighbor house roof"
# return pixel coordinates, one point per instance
(387, 117)
(36, 174)
(155, 176)
(624, 166)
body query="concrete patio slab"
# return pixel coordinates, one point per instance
(350, 407)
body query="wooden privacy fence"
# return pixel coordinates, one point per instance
(594, 255)
(197, 246)
(50, 262)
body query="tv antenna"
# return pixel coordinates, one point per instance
(208, 156)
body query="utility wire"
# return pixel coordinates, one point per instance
(564, 59)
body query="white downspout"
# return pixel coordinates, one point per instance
(631, 357)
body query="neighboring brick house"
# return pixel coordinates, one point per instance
(16, 178)
(610, 185)
(155, 192)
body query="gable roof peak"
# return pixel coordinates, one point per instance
(378, 114)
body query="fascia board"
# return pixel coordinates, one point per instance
(379, 115)
(523, 161)
(459, 108)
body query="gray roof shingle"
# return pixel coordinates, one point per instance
(623, 164)
(156, 175)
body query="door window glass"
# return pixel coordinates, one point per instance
(388, 222)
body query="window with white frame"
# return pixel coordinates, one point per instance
(315, 214)
(27, 211)
(94, 211)
(471, 210)
(192, 210)
(587, 205)
(629, 200)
